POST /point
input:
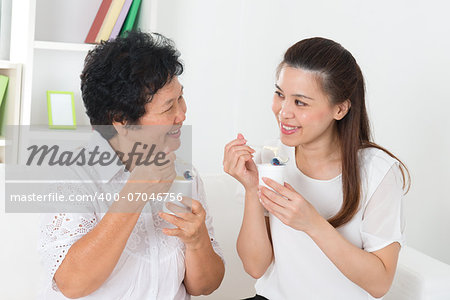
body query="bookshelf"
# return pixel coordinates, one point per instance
(61, 46)
(47, 37)
(12, 98)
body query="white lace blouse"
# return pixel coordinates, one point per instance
(151, 265)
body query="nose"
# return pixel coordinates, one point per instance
(181, 112)
(286, 111)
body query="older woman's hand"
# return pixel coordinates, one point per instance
(191, 227)
(145, 183)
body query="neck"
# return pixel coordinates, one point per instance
(121, 145)
(323, 150)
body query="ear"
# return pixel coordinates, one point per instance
(120, 128)
(342, 109)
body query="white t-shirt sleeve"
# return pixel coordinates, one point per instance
(383, 220)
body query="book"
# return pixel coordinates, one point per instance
(3, 87)
(123, 14)
(98, 21)
(109, 21)
(131, 18)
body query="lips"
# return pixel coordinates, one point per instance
(175, 133)
(288, 129)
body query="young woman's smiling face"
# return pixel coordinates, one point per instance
(302, 109)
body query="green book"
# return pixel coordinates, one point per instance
(3, 87)
(129, 23)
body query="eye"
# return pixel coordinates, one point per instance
(168, 109)
(279, 94)
(300, 103)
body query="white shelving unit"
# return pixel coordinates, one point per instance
(12, 100)
(47, 37)
(60, 46)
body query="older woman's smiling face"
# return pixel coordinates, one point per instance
(164, 116)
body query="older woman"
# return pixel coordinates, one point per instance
(131, 249)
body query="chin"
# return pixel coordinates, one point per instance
(173, 144)
(290, 141)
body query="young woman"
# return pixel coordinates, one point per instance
(335, 227)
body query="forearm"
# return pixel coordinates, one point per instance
(253, 245)
(363, 268)
(91, 259)
(204, 268)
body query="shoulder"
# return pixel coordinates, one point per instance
(374, 165)
(376, 157)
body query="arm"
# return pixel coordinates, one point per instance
(204, 268)
(91, 259)
(372, 271)
(254, 245)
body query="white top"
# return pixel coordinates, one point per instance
(152, 264)
(300, 270)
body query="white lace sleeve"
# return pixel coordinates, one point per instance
(383, 218)
(59, 231)
(208, 220)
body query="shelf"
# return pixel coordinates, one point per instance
(63, 46)
(5, 64)
(81, 133)
(4, 142)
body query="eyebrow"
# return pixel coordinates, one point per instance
(173, 99)
(295, 95)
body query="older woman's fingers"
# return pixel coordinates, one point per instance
(176, 209)
(172, 219)
(172, 232)
(197, 208)
(187, 202)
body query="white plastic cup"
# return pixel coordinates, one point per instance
(276, 173)
(180, 188)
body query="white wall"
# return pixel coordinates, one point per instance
(231, 49)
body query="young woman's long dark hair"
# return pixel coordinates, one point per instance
(341, 79)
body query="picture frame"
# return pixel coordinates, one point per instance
(61, 110)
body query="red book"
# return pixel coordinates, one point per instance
(97, 24)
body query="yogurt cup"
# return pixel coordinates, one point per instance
(274, 172)
(181, 187)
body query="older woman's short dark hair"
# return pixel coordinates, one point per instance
(121, 76)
